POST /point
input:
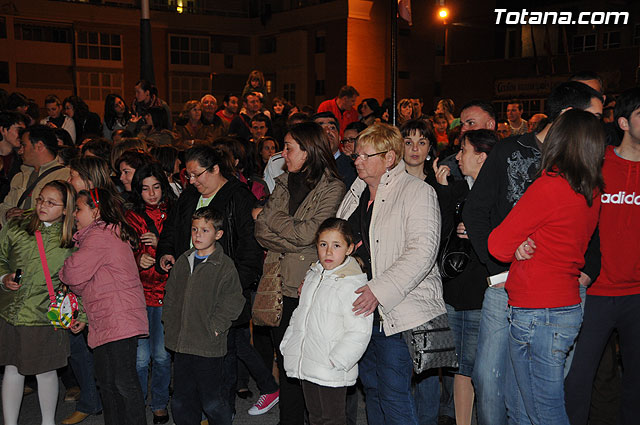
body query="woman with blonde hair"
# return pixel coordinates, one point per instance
(396, 219)
(190, 127)
(405, 111)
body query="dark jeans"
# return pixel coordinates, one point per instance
(197, 388)
(326, 405)
(81, 361)
(115, 367)
(601, 316)
(239, 348)
(291, 397)
(385, 371)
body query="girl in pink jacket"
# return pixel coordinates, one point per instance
(103, 272)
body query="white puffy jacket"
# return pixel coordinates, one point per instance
(325, 339)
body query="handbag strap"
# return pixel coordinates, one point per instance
(27, 192)
(45, 267)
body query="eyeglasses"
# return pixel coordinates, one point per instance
(364, 156)
(349, 140)
(195, 176)
(48, 204)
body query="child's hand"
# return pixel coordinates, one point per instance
(9, 283)
(166, 262)
(149, 238)
(77, 327)
(146, 261)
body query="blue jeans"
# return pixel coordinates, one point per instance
(81, 362)
(539, 342)
(427, 397)
(153, 348)
(465, 325)
(491, 364)
(385, 372)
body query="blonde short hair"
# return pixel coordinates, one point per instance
(383, 137)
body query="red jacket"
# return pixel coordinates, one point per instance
(560, 223)
(153, 282)
(104, 273)
(619, 228)
(344, 117)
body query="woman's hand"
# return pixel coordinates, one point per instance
(135, 118)
(149, 238)
(366, 303)
(256, 212)
(166, 262)
(442, 172)
(9, 283)
(525, 250)
(146, 261)
(77, 327)
(300, 287)
(461, 231)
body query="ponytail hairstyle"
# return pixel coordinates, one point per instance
(574, 150)
(32, 221)
(111, 212)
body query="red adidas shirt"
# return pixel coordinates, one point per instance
(560, 223)
(619, 227)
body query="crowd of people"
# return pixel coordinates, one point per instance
(512, 237)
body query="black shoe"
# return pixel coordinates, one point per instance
(244, 394)
(160, 416)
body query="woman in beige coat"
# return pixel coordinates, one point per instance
(304, 196)
(398, 221)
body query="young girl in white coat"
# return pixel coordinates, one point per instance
(325, 339)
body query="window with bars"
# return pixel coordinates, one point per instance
(94, 85)
(290, 92)
(99, 46)
(636, 35)
(611, 40)
(584, 43)
(3, 27)
(47, 33)
(185, 88)
(189, 50)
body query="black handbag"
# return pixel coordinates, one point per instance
(431, 345)
(455, 253)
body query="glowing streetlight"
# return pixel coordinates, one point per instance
(443, 13)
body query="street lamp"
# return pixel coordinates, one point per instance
(443, 14)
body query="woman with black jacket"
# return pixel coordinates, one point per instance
(463, 292)
(210, 173)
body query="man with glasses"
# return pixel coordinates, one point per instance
(330, 125)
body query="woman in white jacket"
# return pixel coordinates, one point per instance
(397, 218)
(325, 339)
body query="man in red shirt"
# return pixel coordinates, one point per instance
(342, 107)
(613, 301)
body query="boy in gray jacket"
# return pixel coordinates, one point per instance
(203, 296)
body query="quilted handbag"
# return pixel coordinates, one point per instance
(267, 306)
(431, 345)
